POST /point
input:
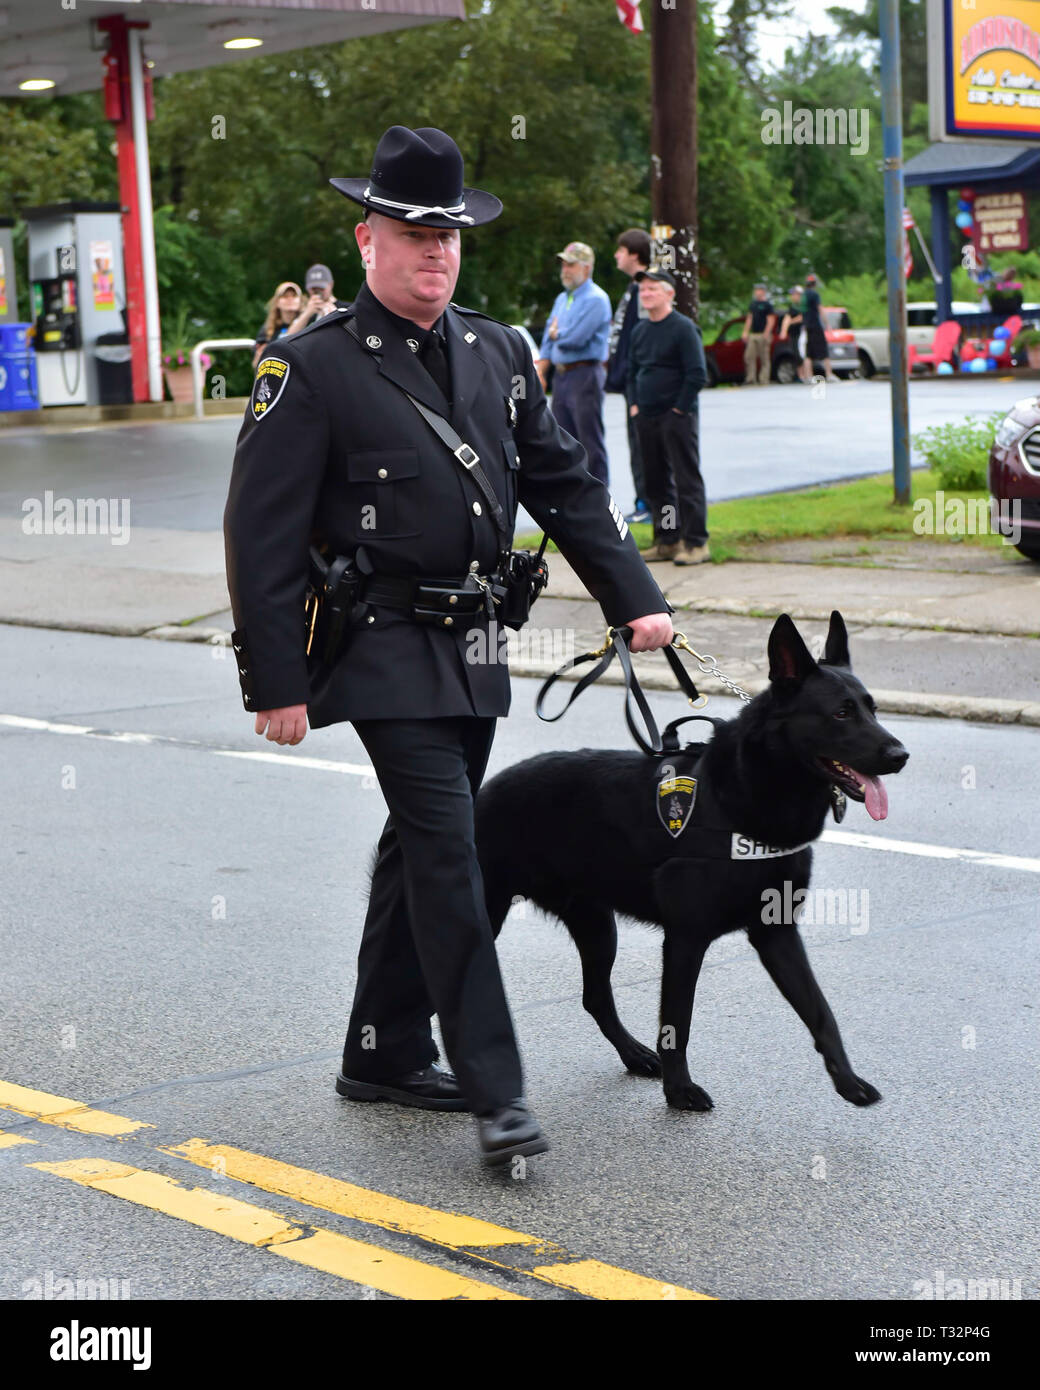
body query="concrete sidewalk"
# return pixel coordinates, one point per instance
(927, 637)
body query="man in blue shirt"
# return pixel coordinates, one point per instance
(575, 342)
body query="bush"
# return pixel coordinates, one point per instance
(960, 453)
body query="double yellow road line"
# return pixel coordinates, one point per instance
(526, 1260)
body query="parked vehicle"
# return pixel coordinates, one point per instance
(725, 356)
(873, 345)
(1014, 472)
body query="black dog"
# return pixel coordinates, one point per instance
(587, 834)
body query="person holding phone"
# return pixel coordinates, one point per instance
(320, 300)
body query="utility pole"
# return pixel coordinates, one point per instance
(892, 144)
(673, 145)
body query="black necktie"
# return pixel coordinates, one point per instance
(435, 360)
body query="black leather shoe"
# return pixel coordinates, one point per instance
(509, 1131)
(432, 1088)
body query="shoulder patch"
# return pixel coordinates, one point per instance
(271, 375)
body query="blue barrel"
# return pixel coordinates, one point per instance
(18, 388)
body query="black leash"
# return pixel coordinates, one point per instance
(655, 744)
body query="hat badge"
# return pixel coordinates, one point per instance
(373, 341)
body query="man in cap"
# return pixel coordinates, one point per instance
(759, 323)
(576, 342)
(666, 370)
(320, 300)
(348, 434)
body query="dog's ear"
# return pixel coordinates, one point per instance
(789, 657)
(836, 652)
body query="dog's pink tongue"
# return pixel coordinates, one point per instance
(875, 797)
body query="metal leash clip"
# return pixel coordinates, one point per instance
(708, 666)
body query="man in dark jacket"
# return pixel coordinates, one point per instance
(332, 445)
(666, 370)
(632, 257)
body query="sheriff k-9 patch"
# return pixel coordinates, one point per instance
(271, 376)
(675, 799)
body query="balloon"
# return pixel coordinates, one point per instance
(963, 220)
(964, 206)
(979, 365)
(967, 194)
(991, 365)
(967, 366)
(945, 369)
(994, 347)
(1002, 332)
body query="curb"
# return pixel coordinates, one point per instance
(975, 708)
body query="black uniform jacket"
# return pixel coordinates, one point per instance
(331, 447)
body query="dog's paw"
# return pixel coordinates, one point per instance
(858, 1091)
(641, 1061)
(688, 1097)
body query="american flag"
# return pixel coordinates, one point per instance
(628, 13)
(908, 255)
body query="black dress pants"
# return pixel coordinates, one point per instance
(672, 469)
(427, 945)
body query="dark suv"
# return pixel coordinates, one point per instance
(1014, 471)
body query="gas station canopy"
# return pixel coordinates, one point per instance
(65, 46)
(62, 49)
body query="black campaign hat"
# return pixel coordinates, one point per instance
(417, 177)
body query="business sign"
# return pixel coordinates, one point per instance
(984, 69)
(1000, 222)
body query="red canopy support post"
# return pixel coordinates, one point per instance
(118, 108)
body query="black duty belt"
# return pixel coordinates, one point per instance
(435, 598)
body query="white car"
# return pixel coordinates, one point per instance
(873, 345)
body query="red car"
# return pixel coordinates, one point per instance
(725, 356)
(1014, 473)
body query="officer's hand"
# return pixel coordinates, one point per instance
(633, 410)
(287, 725)
(651, 632)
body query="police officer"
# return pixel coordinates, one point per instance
(332, 447)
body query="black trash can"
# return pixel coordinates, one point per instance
(115, 377)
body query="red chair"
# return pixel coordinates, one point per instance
(947, 336)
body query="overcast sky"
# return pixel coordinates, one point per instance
(774, 36)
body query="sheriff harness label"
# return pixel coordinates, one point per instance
(675, 798)
(744, 847)
(271, 376)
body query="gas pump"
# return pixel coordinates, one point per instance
(57, 323)
(76, 275)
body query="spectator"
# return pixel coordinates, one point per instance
(575, 342)
(815, 338)
(632, 257)
(282, 308)
(666, 369)
(320, 300)
(758, 338)
(793, 324)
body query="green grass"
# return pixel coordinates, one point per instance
(860, 508)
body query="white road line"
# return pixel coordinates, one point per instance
(847, 838)
(969, 856)
(299, 760)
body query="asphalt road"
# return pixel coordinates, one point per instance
(753, 440)
(179, 934)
